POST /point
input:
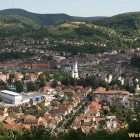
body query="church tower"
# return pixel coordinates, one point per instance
(75, 70)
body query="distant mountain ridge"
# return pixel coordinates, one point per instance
(41, 19)
(47, 19)
(21, 21)
(90, 19)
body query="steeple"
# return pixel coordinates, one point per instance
(75, 70)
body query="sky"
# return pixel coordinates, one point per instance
(83, 8)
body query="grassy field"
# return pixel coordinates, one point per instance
(57, 31)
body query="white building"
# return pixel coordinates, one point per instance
(108, 78)
(105, 77)
(11, 97)
(119, 97)
(137, 89)
(121, 79)
(75, 70)
(58, 57)
(111, 122)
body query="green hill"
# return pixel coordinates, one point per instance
(84, 31)
(126, 24)
(41, 19)
(16, 24)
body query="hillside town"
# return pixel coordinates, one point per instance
(59, 105)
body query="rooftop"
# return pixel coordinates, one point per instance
(103, 91)
(10, 93)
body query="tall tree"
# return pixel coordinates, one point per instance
(19, 86)
(31, 86)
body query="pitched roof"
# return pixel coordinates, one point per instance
(11, 126)
(101, 91)
(10, 120)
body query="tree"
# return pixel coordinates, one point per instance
(3, 85)
(105, 112)
(42, 81)
(11, 76)
(24, 74)
(3, 132)
(24, 111)
(114, 108)
(19, 86)
(31, 86)
(104, 84)
(123, 75)
(54, 84)
(0, 98)
(116, 82)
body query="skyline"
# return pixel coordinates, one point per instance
(83, 8)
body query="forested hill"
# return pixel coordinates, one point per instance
(47, 19)
(41, 19)
(126, 24)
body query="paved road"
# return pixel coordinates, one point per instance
(66, 120)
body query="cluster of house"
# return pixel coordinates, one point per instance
(89, 122)
(29, 113)
(8, 41)
(113, 62)
(91, 119)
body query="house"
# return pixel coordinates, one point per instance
(106, 108)
(85, 122)
(108, 96)
(10, 120)
(14, 126)
(86, 127)
(111, 122)
(15, 109)
(46, 89)
(121, 79)
(2, 118)
(68, 91)
(78, 87)
(100, 122)
(93, 108)
(18, 115)
(52, 125)
(31, 111)
(33, 102)
(55, 102)
(4, 77)
(31, 120)
(3, 111)
(62, 110)
(41, 112)
(49, 117)
(58, 118)
(46, 102)
(42, 123)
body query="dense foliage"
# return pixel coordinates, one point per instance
(79, 49)
(15, 55)
(135, 61)
(126, 24)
